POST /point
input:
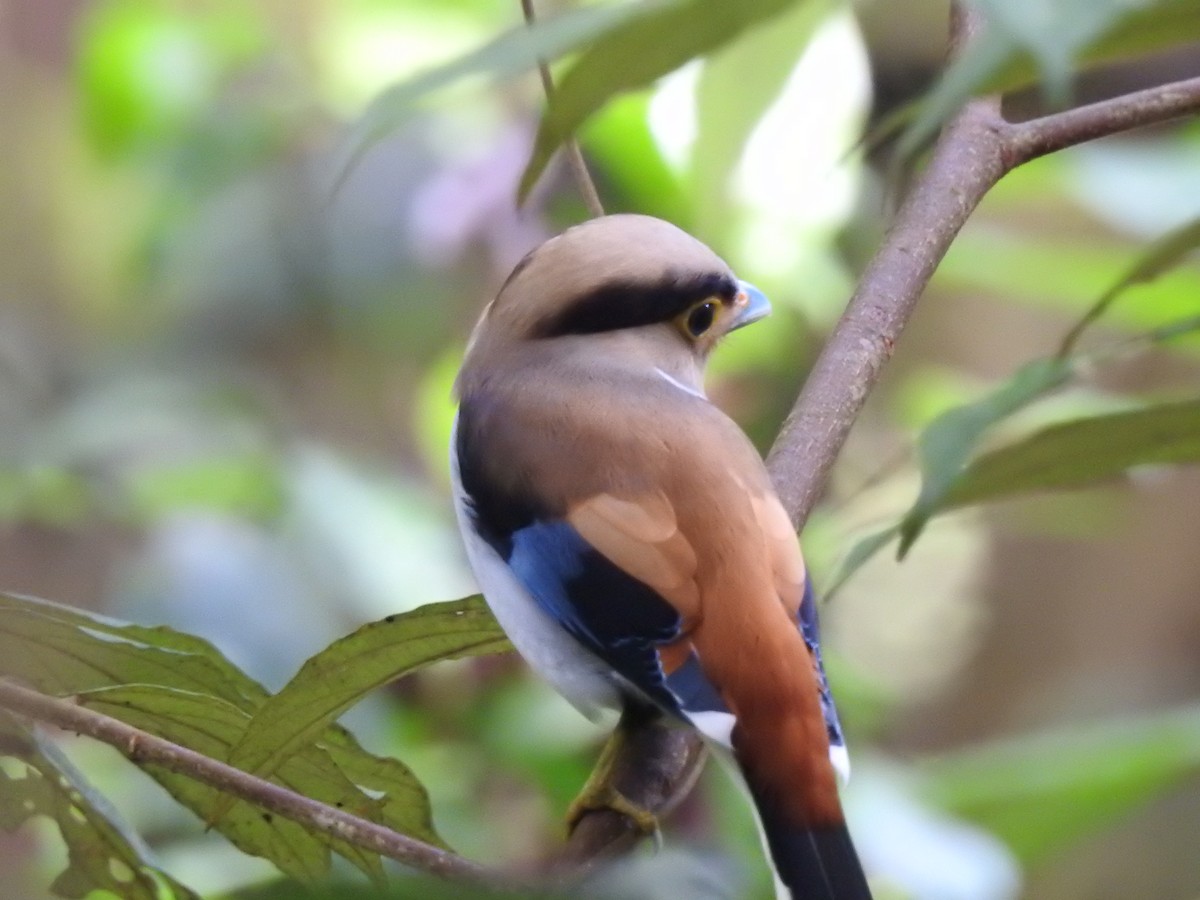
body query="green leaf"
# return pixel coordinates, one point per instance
(634, 54)
(515, 51)
(342, 674)
(1054, 32)
(619, 139)
(1164, 254)
(1082, 453)
(1043, 269)
(1152, 28)
(103, 853)
(1043, 793)
(180, 688)
(1046, 40)
(401, 803)
(948, 442)
(211, 727)
(63, 651)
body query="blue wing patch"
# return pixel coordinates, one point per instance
(807, 619)
(610, 612)
(692, 689)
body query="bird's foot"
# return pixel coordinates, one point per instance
(600, 792)
(605, 796)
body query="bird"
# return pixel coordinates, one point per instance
(624, 530)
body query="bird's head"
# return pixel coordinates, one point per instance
(621, 290)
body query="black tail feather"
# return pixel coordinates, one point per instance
(816, 862)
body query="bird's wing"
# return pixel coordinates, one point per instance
(675, 564)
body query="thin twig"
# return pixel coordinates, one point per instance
(571, 149)
(141, 748)
(1025, 141)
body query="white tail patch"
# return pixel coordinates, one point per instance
(841, 761)
(716, 726)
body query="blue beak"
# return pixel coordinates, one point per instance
(750, 305)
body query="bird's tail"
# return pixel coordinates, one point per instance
(811, 861)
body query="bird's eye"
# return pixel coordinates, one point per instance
(701, 318)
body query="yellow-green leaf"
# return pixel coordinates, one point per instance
(948, 442)
(1083, 452)
(634, 54)
(103, 854)
(342, 674)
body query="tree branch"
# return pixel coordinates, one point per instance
(1025, 141)
(140, 747)
(976, 149)
(966, 161)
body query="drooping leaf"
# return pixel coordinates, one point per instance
(1041, 794)
(1161, 256)
(512, 52)
(62, 651)
(948, 442)
(1083, 452)
(1054, 33)
(179, 687)
(338, 677)
(634, 54)
(211, 727)
(103, 853)
(401, 800)
(1045, 40)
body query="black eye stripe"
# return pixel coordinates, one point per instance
(619, 305)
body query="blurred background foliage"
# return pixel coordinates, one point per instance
(225, 369)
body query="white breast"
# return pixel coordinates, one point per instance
(583, 679)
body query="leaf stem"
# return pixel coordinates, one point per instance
(571, 149)
(141, 747)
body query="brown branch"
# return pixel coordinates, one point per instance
(976, 149)
(967, 160)
(141, 748)
(571, 149)
(1026, 141)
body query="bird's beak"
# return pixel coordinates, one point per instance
(750, 305)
